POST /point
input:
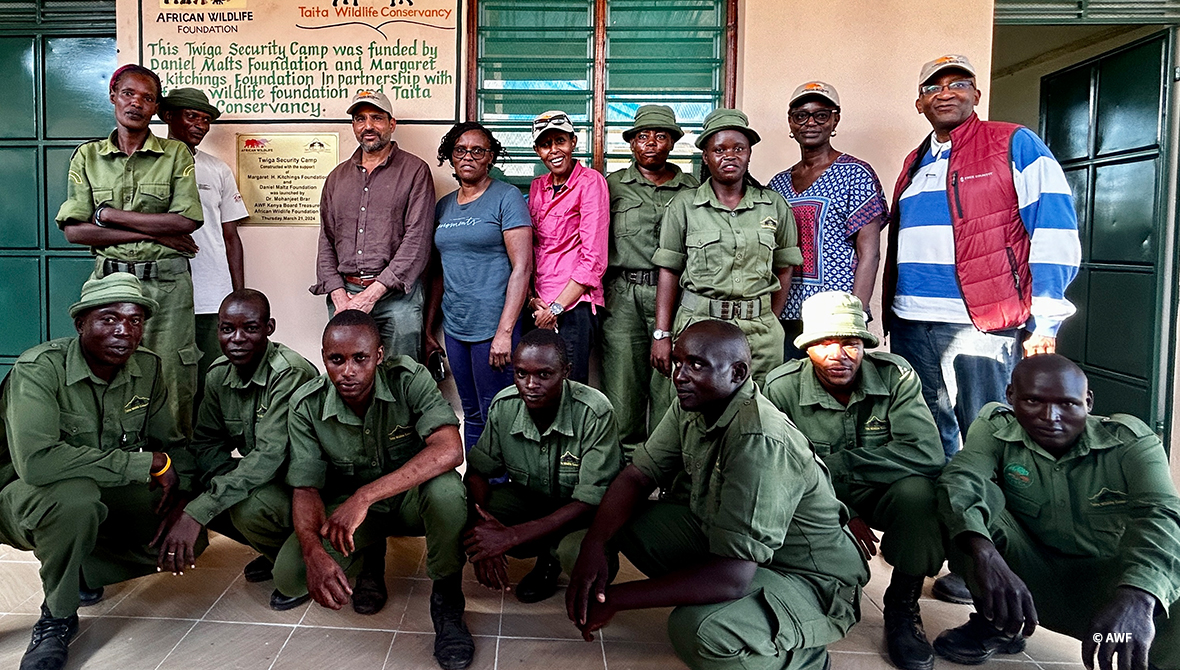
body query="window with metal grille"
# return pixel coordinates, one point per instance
(1014, 12)
(597, 60)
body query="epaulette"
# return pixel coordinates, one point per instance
(30, 355)
(1132, 423)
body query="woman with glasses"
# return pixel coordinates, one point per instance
(838, 205)
(483, 241)
(726, 250)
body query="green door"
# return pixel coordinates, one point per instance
(56, 71)
(1104, 119)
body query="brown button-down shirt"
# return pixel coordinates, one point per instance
(375, 223)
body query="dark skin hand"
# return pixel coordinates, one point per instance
(866, 539)
(326, 581)
(1005, 599)
(1130, 613)
(178, 548)
(667, 293)
(169, 481)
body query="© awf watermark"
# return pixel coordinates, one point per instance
(1111, 638)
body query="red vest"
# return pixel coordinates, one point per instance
(991, 243)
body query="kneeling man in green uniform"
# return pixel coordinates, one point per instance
(557, 443)
(866, 419)
(245, 409)
(86, 463)
(374, 447)
(1063, 519)
(758, 565)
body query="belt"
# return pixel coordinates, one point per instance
(144, 269)
(364, 281)
(727, 310)
(641, 277)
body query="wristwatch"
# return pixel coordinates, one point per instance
(556, 308)
(658, 334)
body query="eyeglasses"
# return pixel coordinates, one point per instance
(476, 153)
(956, 86)
(821, 116)
(556, 119)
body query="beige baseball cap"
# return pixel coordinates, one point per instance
(815, 88)
(947, 62)
(370, 97)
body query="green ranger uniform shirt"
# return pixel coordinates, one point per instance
(336, 451)
(636, 208)
(159, 178)
(886, 432)
(1110, 495)
(759, 492)
(249, 415)
(61, 421)
(576, 458)
(725, 254)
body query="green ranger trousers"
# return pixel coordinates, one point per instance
(513, 504)
(783, 622)
(262, 520)
(207, 342)
(764, 333)
(906, 512)
(1054, 578)
(436, 509)
(171, 334)
(79, 531)
(638, 392)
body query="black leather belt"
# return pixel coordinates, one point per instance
(642, 277)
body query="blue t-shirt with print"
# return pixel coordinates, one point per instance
(470, 242)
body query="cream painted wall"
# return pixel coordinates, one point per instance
(871, 51)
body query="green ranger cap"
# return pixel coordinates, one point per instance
(113, 288)
(654, 116)
(188, 98)
(833, 314)
(726, 119)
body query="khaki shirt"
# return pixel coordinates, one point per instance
(62, 422)
(576, 458)
(886, 432)
(1109, 496)
(758, 491)
(725, 254)
(249, 415)
(159, 178)
(636, 208)
(336, 451)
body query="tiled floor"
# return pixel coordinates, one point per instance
(211, 618)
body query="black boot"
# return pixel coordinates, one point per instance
(88, 597)
(453, 646)
(952, 588)
(50, 645)
(976, 641)
(904, 635)
(370, 594)
(259, 570)
(541, 582)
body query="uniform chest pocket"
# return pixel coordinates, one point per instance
(821, 449)
(873, 438)
(705, 255)
(568, 470)
(79, 429)
(101, 196)
(401, 445)
(626, 216)
(517, 475)
(764, 252)
(1023, 504)
(236, 431)
(152, 198)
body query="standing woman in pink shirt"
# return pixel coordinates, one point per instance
(570, 208)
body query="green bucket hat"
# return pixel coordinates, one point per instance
(113, 288)
(833, 314)
(726, 119)
(654, 116)
(188, 98)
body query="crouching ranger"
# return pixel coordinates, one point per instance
(90, 477)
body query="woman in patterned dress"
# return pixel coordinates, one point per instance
(838, 205)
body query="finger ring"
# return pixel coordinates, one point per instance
(172, 553)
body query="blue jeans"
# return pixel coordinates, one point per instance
(477, 381)
(961, 368)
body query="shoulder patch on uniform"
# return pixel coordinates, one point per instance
(1134, 424)
(188, 170)
(136, 402)
(76, 177)
(1017, 476)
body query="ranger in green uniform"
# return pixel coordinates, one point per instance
(133, 200)
(374, 447)
(86, 428)
(866, 419)
(638, 195)
(556, 441)
(244, 408)
(758, 564)
(1066, 520)
(726, 249)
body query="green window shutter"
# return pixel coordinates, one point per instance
(1015, 12)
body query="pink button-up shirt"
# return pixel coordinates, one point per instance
(570, 233)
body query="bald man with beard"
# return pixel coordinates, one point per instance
(759, 565)
(1063, 519)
